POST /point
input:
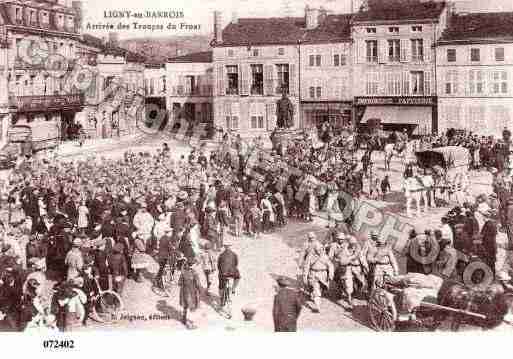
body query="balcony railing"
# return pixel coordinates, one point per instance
(372, 59)
(418, 58)
(393, 58)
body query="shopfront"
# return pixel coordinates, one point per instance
(418, 115)
(314, 114)
(50, 117)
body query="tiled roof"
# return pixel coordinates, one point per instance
(402, 12)
(204, 57)
(285, 30)
(480, 26)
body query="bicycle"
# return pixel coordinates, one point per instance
(225, 305)
(106, 306)
(162, 286)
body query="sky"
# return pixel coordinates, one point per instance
(199, 12)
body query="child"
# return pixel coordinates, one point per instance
(208, 262)
(385, 186)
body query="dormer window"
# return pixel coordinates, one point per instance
(281, 51)
(371, 30)
(393, 30)
(255, 52)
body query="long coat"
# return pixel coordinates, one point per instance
(190, 288)
(286, 309)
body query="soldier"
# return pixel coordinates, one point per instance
(284, 112)
(317, 272)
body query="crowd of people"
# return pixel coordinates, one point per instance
(103, 221)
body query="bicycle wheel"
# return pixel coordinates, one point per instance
(108, 307)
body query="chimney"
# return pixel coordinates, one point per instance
(235, 18)
(311, 18)
(79, 14)
(218, 29)
(113, 39)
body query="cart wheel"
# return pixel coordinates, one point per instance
(382, 311)
(108, 307)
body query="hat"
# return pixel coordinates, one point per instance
(373, 234)
(284, 282)
(352, 239)
(77, 242)
(77, 281)
(227, 242)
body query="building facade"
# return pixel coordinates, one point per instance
(475, 73)
(39, 45)
(326, 71)
(189, 86)
(394, 67)
(254, 62)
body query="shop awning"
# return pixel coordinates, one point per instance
(401, 115)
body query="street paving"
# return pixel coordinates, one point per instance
(261, 261)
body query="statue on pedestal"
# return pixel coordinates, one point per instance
(284, 112)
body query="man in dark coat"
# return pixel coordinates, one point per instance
(286, 308)
(228, 268)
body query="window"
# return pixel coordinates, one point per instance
(499, 54)
(451, 82)
(475, 55)
(255, 52)
(317, 60)
(416, 28)
(393, 30)
(233, 80)
(339, 60)
(476, 84)
(500, 82)
(257, 80)
(232, 122)
(417, 82)
(372, 83)
(230, 53)
(451, 55)
(311, 61)
(394, 50)
(281, 51)
(32, 17)
(315, 91)
(371, 30)
(283, 78)
(190, 85)
(372, 50)
(257, 122)
(417, 50)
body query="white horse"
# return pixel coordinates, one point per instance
(407, 154)
(415, 190)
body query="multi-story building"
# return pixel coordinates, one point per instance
(475, 73)
(188, 90)
(39, 42)
(394, 67)
(325, 69)
(255, 60)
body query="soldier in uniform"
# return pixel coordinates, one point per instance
(317, 272)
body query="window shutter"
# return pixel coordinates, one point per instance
(181, 86)
(382, 51)
(198, 90)
(270, 116)
(405, 50)
(427, 50)
(221, 88)
(406, 83)
(427, 83)
(243, 80)
(269, 81)
(292, 80)
(362, 52)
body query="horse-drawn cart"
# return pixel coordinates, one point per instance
(448, 158)
(406, 299)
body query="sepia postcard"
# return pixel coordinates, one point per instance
(255, 167)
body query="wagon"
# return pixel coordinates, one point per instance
(448, 157)
(385, 314)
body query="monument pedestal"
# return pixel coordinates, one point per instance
(282, 137)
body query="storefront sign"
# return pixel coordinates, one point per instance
(395, 101)
(49, 103)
